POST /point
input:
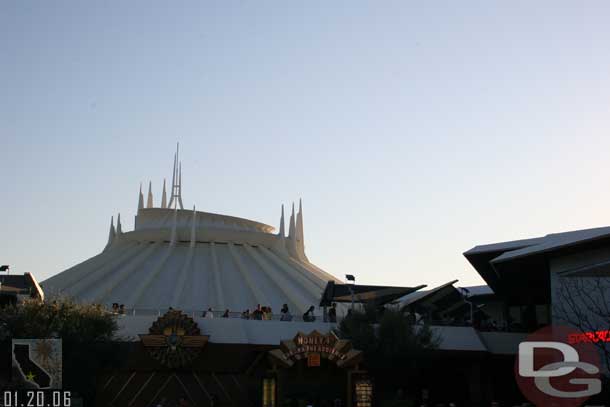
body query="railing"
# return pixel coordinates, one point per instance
(215, 315)
(299, 318)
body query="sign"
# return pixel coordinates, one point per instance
(313, 360)
(174, 339)
(363, 389)
(589, 337)
(314, 347)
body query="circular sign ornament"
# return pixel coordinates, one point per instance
(552, 369)
(174, 339)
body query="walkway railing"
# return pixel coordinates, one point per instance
(299, 318)
(215, 315)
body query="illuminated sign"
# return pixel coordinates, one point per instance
(589, 337)
(313, 360)
(316, 343)
(314, 347)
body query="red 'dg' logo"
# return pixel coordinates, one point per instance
(554, 371)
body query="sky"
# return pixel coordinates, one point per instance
(412, 131)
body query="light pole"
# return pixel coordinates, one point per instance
(465, 296)
(352, 278)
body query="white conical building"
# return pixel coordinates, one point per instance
(194, 260)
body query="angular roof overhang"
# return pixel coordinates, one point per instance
(24, 284)
(377, 294)
(436, 297)
(519, 270)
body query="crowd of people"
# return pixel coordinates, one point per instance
(118, 309)
(261, 313)
(265, 313)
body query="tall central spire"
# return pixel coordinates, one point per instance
(176, 198)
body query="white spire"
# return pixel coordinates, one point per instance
(280, 243)
(282, 229)
(177, 180)
(291, 225)
(119, 228)
(112, 233)
(164, 196)
(300, 238)
(193, 227)
(292, 243)
(173, 237)
(299, 221)
(140, 199)
(180, 185)
(149, 201)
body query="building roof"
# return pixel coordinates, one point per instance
(21, 284)
(363, 293)
(554, 242)
(478, 290)
(508, 264)
(210, 265)
(193, 260)
(421, 296)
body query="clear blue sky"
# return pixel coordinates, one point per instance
(412, 130)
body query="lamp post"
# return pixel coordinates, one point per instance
(465, 296)
(352, 278)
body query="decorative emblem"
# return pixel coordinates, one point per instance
(174, 339)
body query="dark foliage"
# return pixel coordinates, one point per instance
(387, 337)
(86, 330)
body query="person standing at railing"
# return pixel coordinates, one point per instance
(309, 316)
(257, 313)
(268, 314)
(332, 313)
(226, 314)
(285, 313)
(209, 314)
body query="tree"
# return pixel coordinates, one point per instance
(86, 331)
(65, 319)
(584, 303)
(386, 336)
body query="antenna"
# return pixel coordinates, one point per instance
(176, 181)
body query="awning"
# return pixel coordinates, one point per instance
(445, 297)
(363, 293)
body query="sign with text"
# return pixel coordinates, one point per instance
(314, 347)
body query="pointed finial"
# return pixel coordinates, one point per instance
(140, 199)
(164, 196)
(112, 233)
(292, 242)
(119, 228)
(173, 237)
(280, 244)
(282, 229)
(149, 201)
(300, 238)
(177, 180)
(193, 227)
